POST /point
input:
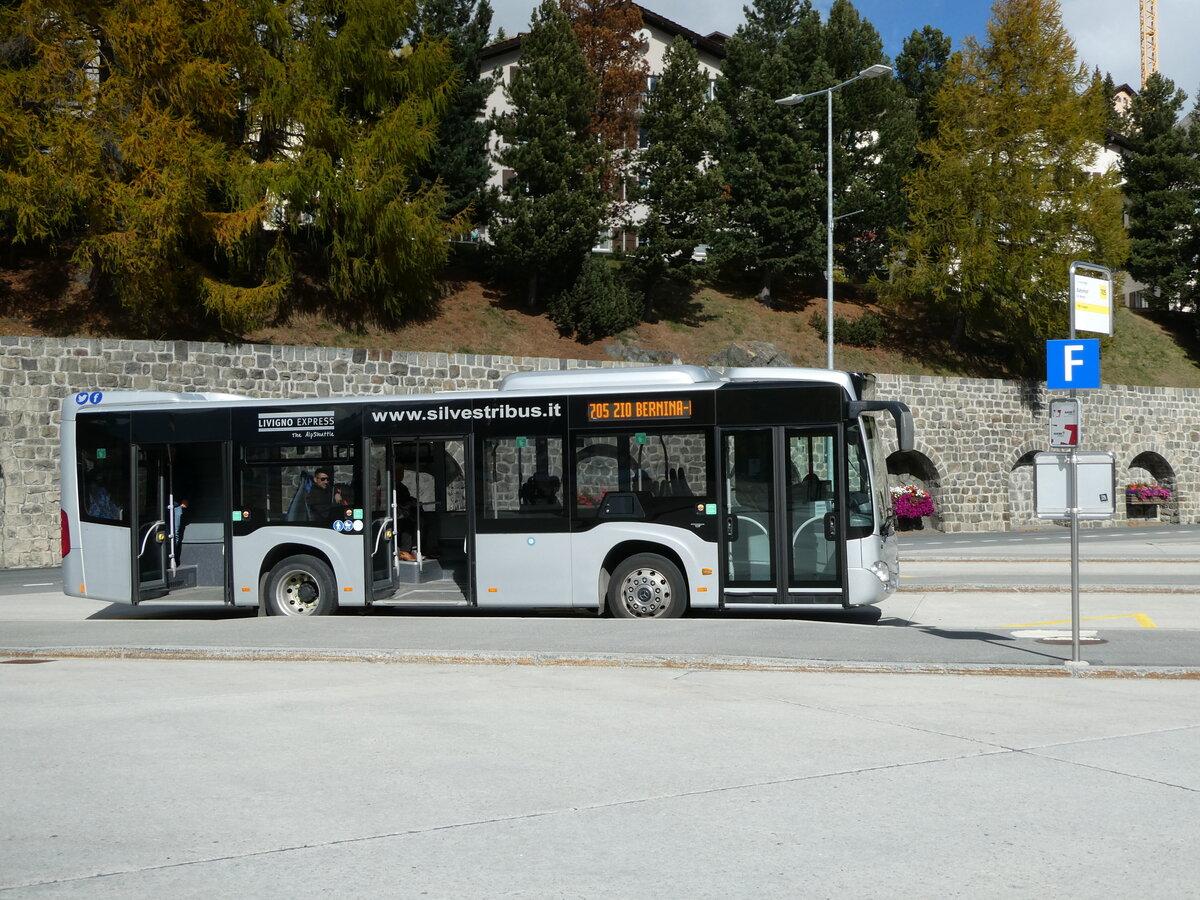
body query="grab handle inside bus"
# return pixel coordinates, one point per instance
(155, 529)
(900, 413)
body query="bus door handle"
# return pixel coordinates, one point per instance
(831, 529)
(384, 528)
(159, 535)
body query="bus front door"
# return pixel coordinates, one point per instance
(782, 522)
(150, 527)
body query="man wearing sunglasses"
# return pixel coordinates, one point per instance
(320, 496)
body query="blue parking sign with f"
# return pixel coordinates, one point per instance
(1072, 364)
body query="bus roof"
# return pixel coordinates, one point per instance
(563, 381)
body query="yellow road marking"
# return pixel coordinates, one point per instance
(1141, 618)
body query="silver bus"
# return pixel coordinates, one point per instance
(636, 492)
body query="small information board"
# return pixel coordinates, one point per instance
(1095, 484)
(1064, 423)
(1091, 298)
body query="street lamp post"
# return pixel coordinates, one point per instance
(871, 72)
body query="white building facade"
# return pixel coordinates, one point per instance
(657, 33)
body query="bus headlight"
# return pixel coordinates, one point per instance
(882, 572)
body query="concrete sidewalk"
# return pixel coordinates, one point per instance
(145, 778)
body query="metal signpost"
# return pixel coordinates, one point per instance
(1075, 364)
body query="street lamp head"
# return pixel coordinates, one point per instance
(791, 99)
(875, 71)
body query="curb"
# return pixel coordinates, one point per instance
(608, 660)
(1057, 588)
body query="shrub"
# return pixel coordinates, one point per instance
(597, 305)
(865, 331)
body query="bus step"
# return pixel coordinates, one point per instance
(183, 577)
(440, 599)
(420, 572)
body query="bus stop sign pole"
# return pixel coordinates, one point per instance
(1091, 310)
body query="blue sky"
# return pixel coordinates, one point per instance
(1105, 31)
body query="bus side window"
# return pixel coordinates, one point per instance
(521, 477)
(103, 469)
(665, 470)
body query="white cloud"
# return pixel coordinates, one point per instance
(1108, 35)
(703, 16)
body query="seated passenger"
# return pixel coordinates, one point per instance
(540, 490)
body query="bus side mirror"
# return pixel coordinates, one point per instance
(900, 413)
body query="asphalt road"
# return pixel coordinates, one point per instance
(1054, 542)
(998, 602)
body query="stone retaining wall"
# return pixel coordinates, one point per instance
(975, 437)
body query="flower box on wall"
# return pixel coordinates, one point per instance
(911, 504)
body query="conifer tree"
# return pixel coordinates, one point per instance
(921, 69)
(365, 108)
(121, 126)
(770, 169)
(1004, 203)
(678, 183)
(553, 206)
(1162, 182)
(42, 61)
(875, 136)
(460, 160)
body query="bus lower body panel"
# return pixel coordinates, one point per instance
(255, 553)
(611, 542)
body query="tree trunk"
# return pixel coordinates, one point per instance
(648, 301)
(531, 295)
(764, 294)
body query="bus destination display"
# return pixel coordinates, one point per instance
(638, 410)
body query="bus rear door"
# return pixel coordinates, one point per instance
(150, 522)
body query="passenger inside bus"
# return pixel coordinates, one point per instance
(410, 524)
(540, 490)
(101, 503)
(320, 497)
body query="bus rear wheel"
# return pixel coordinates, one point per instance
(647, 586)
(300, 586)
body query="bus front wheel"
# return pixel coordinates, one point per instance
(300, 586)
(647, 586)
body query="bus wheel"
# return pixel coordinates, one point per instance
(300, 586)
(647, 586)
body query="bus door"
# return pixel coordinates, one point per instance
(418, 514)
(381, 520)
(783, 530)
(181, 516)
(150, 521)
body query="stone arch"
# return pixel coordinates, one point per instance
(1021, 508)
(1148, 464)
(922, 468)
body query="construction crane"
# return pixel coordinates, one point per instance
(1149, 39)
